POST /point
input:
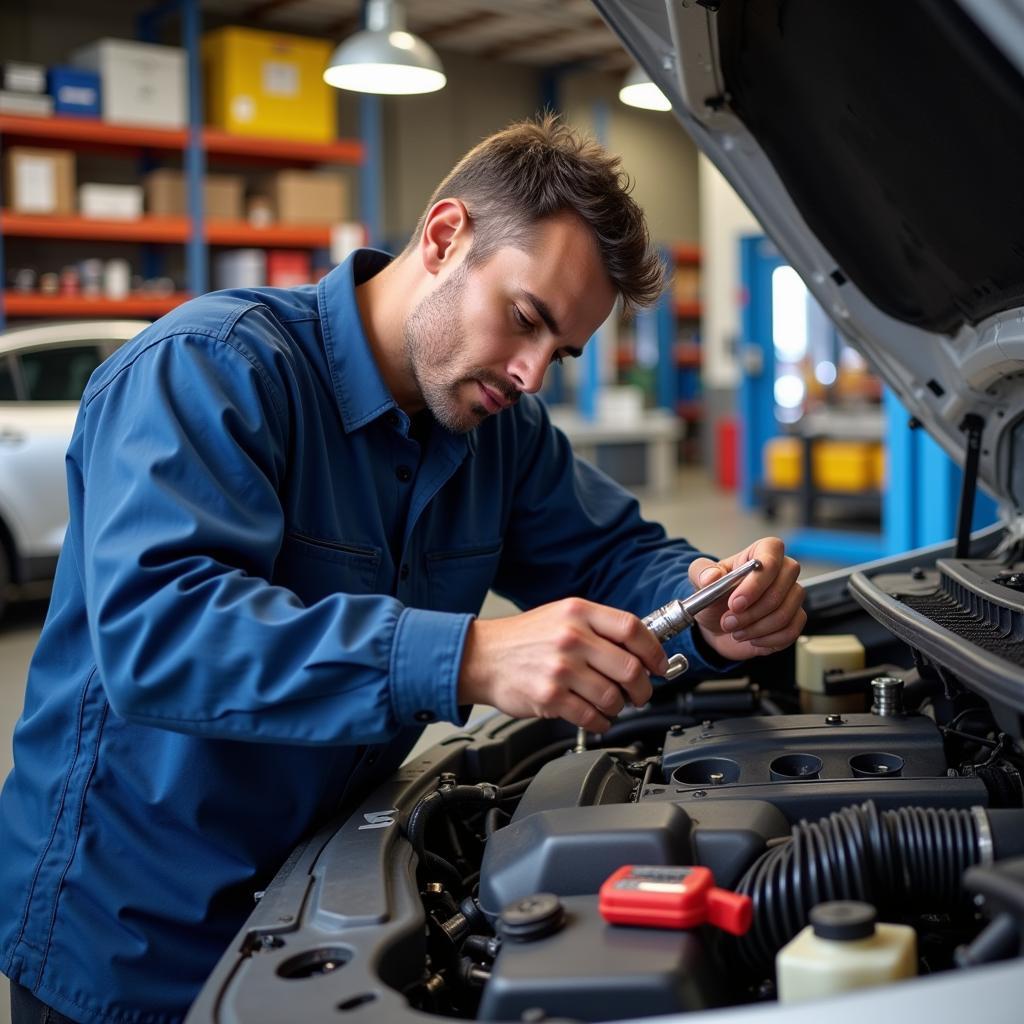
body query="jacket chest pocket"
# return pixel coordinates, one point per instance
(458, 579)
(314, 569)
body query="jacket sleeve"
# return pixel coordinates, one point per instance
(575, 532)
(178, 460)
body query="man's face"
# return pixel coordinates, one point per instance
(488, 333)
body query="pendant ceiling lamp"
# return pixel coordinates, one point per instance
(384, 58)
(639, 91)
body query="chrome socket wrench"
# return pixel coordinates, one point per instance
(671, 619)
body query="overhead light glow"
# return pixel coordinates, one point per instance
(384, 58)
(825, 373)
(639, 91)
(789, 315)
(789, 391)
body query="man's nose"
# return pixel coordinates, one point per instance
(527, 370)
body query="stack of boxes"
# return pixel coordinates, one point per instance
(259, 84)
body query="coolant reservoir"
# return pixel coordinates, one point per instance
(815, 657)
(842, 949)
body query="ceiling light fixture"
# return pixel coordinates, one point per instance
(639, 91)
(384, 58)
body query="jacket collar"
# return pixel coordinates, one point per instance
(360, 390)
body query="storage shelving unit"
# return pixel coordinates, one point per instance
(194, 231)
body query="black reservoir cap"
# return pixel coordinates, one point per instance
(844, 920)
(532, 918)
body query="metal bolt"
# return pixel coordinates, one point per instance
(434, 888)
(833, 719)
(716, 778)
(707, 724)
(699, 793)
(888, 696)
(675, 730)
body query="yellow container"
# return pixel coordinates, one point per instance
(268, 84)
(843, 466)
(878, 466)
(783, 463)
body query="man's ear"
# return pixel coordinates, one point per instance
(447, 234)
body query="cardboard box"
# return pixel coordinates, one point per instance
(268, 83)
(141, 83)
(167, 196)
(308, 197)
(75, 91)
(287, 268)
(110, 202)
(40, 180)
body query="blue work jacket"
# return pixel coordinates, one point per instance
(262, 596)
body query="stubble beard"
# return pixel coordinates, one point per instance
(434, 338)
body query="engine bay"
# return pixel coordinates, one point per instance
(467, 885)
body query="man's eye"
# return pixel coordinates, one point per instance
(521, 320)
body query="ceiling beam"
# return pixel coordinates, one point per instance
(257, 12)
(342, 27)
(451, 28)
(552, 34)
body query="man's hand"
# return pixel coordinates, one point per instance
(764, 613)
(572, 659)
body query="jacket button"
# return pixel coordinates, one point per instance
(403, 573)
(424, 716)
(404, 473)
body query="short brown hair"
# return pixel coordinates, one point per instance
(538, 168)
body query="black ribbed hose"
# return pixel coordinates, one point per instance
(416, 826)
(909, 860)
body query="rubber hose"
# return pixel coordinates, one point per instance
(416, 827)
(906, 860)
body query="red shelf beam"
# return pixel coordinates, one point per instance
(30, 305)
(163, 229)
(90, 132)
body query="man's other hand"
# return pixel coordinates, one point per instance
(764, 613)
(571, 659)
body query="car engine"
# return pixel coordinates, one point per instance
(468, 884)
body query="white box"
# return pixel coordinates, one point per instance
(110, 202)
(240, 268)
(25, 103)
(141, 83)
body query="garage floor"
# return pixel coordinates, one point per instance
(709, 518)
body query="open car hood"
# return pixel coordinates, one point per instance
(881, 145)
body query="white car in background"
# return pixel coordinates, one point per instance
(43, 372)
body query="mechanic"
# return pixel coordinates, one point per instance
(286, 508)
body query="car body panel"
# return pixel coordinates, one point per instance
(34, 437)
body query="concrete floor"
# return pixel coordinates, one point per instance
(709, 518)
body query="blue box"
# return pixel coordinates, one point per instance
(75, 91)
